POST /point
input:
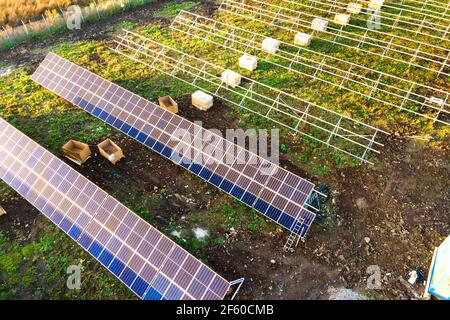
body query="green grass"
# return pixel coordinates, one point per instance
(230, 215)
(142, 203)
(218, 221)
(171, 9)
(37, 269)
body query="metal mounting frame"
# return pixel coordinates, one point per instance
(310, 120)
(234, 38)
(417, 50)
(394, 21)
(293, 23)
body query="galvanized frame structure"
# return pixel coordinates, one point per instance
(427, 13)
(436, 5)
(233, 38)
(308, 119)
(316, 5)
(294, 23)
(396, 21)
(371, 37)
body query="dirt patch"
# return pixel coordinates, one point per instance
(19, 216)
(404, 215)
(96, 30)
(219, 116)
(270, 273)
(143, 172)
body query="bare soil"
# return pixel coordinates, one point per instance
(401, 208)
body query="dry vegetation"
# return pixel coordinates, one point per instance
(13, 11)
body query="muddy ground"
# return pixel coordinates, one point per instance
(391, 215)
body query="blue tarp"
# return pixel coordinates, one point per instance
(440, 272)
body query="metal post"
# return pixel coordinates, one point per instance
(440, 109)
(81, 14)
(444, 64)
(239, 282)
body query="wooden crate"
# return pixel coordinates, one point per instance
(111, 151)
(168, 103)
(302, 39)
(354, 8)
(231, 78)
(342, 19)
(77, 151)
(202, 100)
(248, 62)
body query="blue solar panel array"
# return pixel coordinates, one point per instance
(280, 195)
(149, 263)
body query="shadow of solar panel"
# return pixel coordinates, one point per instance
(279, 195)
(143, 258)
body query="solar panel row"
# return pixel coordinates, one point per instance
(280, 195)
(145, 260)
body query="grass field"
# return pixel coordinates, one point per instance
(33, 259)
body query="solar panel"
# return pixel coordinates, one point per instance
(145, 260)
(269, 189)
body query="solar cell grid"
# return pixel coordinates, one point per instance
(85, 221)
(159, 137)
